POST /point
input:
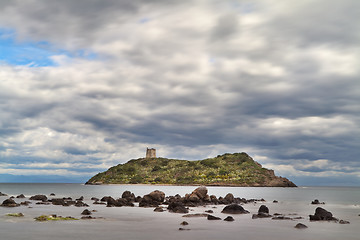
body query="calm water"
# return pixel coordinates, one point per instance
(142, 223)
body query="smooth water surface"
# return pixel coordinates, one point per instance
(143, 223)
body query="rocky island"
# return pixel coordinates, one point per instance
(237, 169)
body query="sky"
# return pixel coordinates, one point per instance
(89, 84)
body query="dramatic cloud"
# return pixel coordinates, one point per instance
(98, 81)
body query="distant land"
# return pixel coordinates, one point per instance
(237, 169)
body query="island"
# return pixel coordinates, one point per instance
(237, 169)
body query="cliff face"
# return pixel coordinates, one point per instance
(237, 169)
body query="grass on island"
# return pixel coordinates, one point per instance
(15, 215)
(44, 218)
(237, 168)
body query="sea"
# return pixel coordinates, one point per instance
(143, 223)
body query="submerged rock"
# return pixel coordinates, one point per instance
(229, 219)
(80, 198)
(81, 204)
(344, 222)
(158, 209)
(322, 215)
(211, 217)
(9, 203)
(25, 203)
(234, 209)
(316, 201)
(196, 215)
(177, 207)
(263, 212)
(182, 229)
(86, 212)
(39, 197)
(300, 226)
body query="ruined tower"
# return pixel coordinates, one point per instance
(150, 153)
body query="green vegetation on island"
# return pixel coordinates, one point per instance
(237, 169)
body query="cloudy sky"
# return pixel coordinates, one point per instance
(88, 84)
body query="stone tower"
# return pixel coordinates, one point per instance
(150, 153)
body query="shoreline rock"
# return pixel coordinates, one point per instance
(234, 209)
(9, 203)
(322, 215)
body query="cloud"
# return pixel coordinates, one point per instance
(194, 79)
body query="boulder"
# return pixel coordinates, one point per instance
(193, 197)
(234, 209)
(214, 199)
(322, 215)
(9, 203)
(52, 194)
(263, 212)
(25, 203)
(20, 196)
(95, 199)
(158, 209)
(153, 199)
(229, 219)
(59, 201)
(129, 196)
(300, 226)
(211, 217)
(184, 223)
(105, 198)
(316, 201)
(80, 204)
(201, 192)
(229, 198)
(177, 207)
(3, 194)
(80, 198)
(157, 195)
(86, 212)
(263, 209)
(39, 198)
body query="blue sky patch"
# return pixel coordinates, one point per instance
(33, 54)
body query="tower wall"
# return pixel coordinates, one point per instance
(150, 153)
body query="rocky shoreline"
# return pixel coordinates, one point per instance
(230, 205)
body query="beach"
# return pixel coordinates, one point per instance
(143, 223)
